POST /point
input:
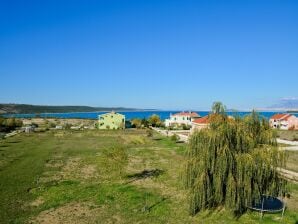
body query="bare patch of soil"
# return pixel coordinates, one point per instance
(38, 202)
(75, 169)
(54, 163)
(71, 213)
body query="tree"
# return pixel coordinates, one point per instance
(155, 120)
(136, 122)
(145, 123)
(233, 163)
(9, 124)
(218, 108)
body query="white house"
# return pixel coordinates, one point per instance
(181, 118)
(284, 121)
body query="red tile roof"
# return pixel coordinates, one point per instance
(281, 116)
(202, 120)
(191, 114)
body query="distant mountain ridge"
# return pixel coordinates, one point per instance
(38, 109)
(285, 104)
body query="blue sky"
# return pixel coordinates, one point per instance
(149, 54)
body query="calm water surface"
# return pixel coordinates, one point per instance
(129, 115)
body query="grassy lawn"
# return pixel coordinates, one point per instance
(103, 177)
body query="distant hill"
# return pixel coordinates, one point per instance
(289, 103)
(285, 104)
(38, 109)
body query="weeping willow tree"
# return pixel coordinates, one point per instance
(232, 163)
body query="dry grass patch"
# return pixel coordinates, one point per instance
(69, 214)
(37, 202)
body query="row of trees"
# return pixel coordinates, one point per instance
(233, 163)
(154, 121)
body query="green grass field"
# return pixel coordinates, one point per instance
(103, 177)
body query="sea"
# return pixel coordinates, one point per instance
(131, 114)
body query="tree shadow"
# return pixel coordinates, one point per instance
(148, 209)
(180, 142)
(144, 174)
(12, 142)
(157, 138)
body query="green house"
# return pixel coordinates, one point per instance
(111, 121)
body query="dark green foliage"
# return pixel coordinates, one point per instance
(233, 162)
(145, 123)
(186, 127)
(218, 108)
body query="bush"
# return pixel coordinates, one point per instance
(149, 133)
(155, 121)
(145, 123)
(67, 126)
(186, 127)
(175, 138)
(9, 124)
(136, 123)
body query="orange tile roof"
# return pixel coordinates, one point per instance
(281, 116)
(202, 120)
(287, 117)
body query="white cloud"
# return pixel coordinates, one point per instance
(289, 98)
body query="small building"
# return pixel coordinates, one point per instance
(59, 127)
(284, 121)
(200, 123)
(111, 120)
(181, 118)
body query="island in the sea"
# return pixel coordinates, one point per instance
(38, 109)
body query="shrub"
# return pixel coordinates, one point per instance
(136, 123)
(175, 138)
(186, 127)
(149, 133)
(155, 121)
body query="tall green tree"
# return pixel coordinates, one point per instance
(232, 163)
(155, 120)
(218, 108)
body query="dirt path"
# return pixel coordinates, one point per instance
(291, 175)
(293, 145)
(183, 135)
